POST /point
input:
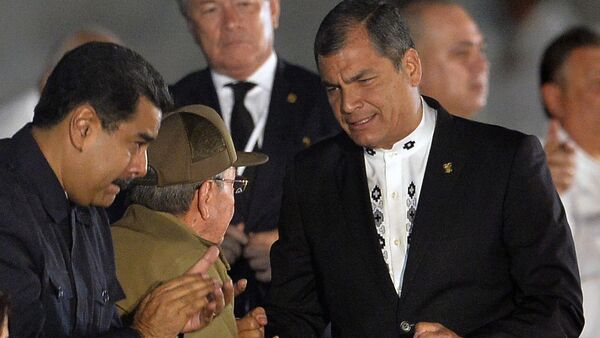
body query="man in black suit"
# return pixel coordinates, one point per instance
(414, 221)
(268, 104)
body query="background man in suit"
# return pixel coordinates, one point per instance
(452, 52)
(268, 104)
(414, 215)
(570, 88)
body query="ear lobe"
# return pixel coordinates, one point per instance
(83, 124)
(552, 98)
(412, 66)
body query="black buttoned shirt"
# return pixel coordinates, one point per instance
(56, 260)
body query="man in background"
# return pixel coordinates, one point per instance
(570, 91)
(268, 104)
(452, 51)
(16, 113)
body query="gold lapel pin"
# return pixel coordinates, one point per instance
(447, 167)
(291, 98)
(306, 141)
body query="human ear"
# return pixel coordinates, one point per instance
(203, 199)
(552, 98)
(275, 10)
(411, 64)
(83, 124)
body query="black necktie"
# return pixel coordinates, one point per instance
(241, 124)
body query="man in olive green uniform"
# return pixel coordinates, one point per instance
(180, 209)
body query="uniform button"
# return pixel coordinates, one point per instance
(61, 292)
(405, 326)
(105, 296)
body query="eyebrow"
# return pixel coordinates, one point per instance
(354, 78)
(146, 137)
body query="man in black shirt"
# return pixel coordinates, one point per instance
(100, 108)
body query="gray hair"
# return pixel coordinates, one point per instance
(386, 29)
(174, 199)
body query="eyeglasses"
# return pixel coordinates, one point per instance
(239, 184)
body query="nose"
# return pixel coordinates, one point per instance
(351, 100)
(231, 17)
(479, 62)
(139, 164)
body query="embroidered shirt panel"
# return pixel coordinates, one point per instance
(395, 177)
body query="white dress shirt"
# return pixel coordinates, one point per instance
(395, 177)
(257, 100)
(582, 205)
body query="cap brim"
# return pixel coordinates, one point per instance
(248, 159)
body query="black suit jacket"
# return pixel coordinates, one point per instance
(299, 115)
(491, 254)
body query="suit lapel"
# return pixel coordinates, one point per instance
(209, 93)
(279, 110)
(354, 194)
(444, 166)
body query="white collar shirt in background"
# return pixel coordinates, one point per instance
(257, 99)
(582, 206)
(395, 177)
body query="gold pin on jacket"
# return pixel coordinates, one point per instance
(291, 98)
(447, 167)
(306, 141)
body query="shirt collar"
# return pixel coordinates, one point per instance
(416, 139)
(37, 173)
(160, 225)
(263, 77)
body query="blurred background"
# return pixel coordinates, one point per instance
(516, 30)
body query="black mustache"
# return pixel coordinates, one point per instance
(122, 183)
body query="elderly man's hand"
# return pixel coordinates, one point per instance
(233, 243)
(257, 253)
(433, 330)
(561, 158)
(186, 303)
(252, 325)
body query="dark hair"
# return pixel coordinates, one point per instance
(4, 307)
(387, 31)
(110, 77)
(559, 50)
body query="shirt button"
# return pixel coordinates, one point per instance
(394, 195)
(397, 242)
(105, 296)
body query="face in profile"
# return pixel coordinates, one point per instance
(109, 156)
(375, 103)
(455, 66)
(221, 203)
(236, 36)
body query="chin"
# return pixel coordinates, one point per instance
(104, 202)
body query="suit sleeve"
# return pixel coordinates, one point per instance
(293, 307)
(544, 269)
